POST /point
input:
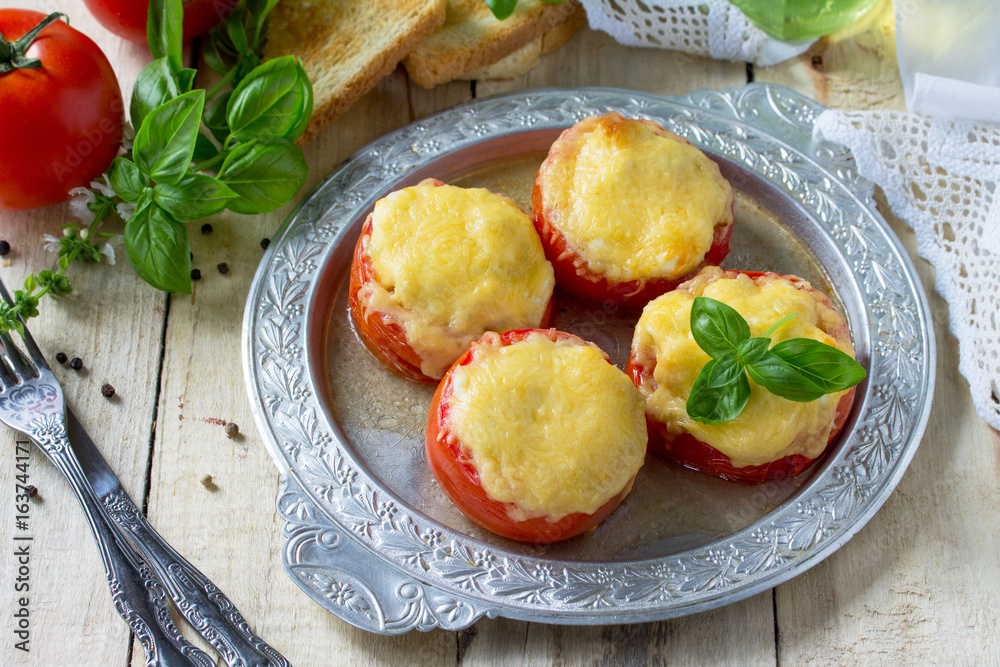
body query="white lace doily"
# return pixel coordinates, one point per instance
(712, 28)
(941, 177)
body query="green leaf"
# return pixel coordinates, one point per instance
(185, 79)
(716, 327)
(260, 9)
(753, 350)
(772, 373)
(30, 283)
(197, 196)
(215, 117)
(501, 8)
(237, 32)
(164, 31)
(126, 179)
(165, 143)
(210, 54)
(57, 284)
(720, 392)
(158, 249)
(274, 100)
(266, 174)
(827, 367)
(155, 86)
(204, 149)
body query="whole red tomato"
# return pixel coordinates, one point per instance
(62, 121)
(127, 18)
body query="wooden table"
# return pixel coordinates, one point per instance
(920, 583)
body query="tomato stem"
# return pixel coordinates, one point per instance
(12, 54)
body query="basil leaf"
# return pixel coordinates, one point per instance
(164, 31)
(826, 366)
(204, 149)
(781, 379)
(158, 249)
(197, 196)
(215, 117)
(274, 100)
(155, 86)
(720, 392)
(210, 54)
(165, 142)
(237, 32)
(260, 9)
(185, 79)
(501, 8)
(716, 327)
(126, 179)
(753, 350)
(265, 173)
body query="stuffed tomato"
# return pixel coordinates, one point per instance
(628, 210)
(435, 267)
(535, 435)
(772, 437)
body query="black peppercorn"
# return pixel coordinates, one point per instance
(107, 390)
(195, 274)
(61, 357)
(264, 243)
(4, 248)
(223, 268)
(206, 228)
(31, 490)
(76, 363)
(232, 430)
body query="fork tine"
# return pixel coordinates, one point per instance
(7, 379)
(36, 354)
(16, 360)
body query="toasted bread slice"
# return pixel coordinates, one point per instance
(347, 46)
(472, 37)
(520, 62)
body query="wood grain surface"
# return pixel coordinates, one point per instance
(919, 584)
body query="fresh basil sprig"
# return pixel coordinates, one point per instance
(504, 8)
(199, 152)
(799, 369)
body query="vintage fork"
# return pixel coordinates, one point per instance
(32, 401)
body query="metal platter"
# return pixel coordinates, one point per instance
(371, 537)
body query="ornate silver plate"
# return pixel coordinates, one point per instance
(370, 536)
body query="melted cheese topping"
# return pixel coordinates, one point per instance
(635, 204)
(770, 427)
(452, 263)
(552, 427)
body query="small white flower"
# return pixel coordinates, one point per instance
(125, 210)
(128, 136)
(78, 205)
(103, 188)
(108, 249)
(51, 243)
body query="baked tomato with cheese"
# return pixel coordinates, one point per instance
(773, 437)
(628, 210)
(535, 435)
(437, 266)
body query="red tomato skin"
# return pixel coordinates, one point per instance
(686, 450)
(127, 18)
(383, 337)
(62, 123)
(452, 466)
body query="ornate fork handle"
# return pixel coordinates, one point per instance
(205, 607)
(137, 596)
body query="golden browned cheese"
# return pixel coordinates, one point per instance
(552, 427)
(634, 204)
(453, 263)
(770, 427)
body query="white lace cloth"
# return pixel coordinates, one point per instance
(941, 177)
(712, 28)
